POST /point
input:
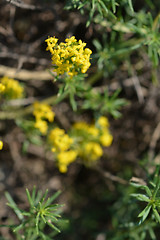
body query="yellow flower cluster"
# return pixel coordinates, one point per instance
(70, 57)
(1, 145)
(10, 88)
(61, 144)
(105, 136)
(85, 141)
(42, 113)
(92, 150)
(93, 136)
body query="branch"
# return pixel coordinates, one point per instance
(25, 75)
(110, 176)
(20, 4)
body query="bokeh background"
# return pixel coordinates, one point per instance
(96, 202)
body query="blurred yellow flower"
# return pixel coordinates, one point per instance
(2, 88)
(10, 88)
(43, 113)
(59, 140)
(84, 141)
(1, 145)
(91, 137)
(89, 129)
(65, 158)
(103, 121)
(92, 151)
(41, 125)
(106, 139)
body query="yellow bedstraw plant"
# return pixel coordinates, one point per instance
(70, 57)
(43, 113)
(10, 88)
(84, 141)
(70, 60)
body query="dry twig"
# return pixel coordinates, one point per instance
(25, 75)
(20, 4)
(111, 177)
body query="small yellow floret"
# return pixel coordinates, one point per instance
(93, 130)
(103, 121)
(51, 42)
(90, 129)
(1, 145)
(106, 139)
(59, 140)
(81, 125)
(43, 113)
(10, 88)
(42, 126)
(65, 158)
(93, 151)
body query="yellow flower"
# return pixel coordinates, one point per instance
(90, 137)
(81, 125)
(93, 130)
(103, 121)
(1, 145)
(106, 139)
(2, 88)
(70, 57)
(70, 40)
(65, 158)
(10, 88)
(92, 151)
(59, 140)
(42, 126)
(88, 129)
(51, 42)
(42, 113)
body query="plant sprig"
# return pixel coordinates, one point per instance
(151, 197)
(41, 213)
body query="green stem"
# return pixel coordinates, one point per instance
(28, 110)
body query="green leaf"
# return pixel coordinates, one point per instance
(14, 206)
(103, 6)
(18, 227)
(34, 193)
(73, 102)
(130, 5)
(37, 223)
(156, 214)
(97, 44)
(29, 198)
(53, 226)
(52, 198)
(43, 197)
(113, 6)
(151, 232)
(146, 188)
(144, 213)
(141, 197)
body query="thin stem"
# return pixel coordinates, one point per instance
(28, 110)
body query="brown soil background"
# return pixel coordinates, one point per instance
(22, 53)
